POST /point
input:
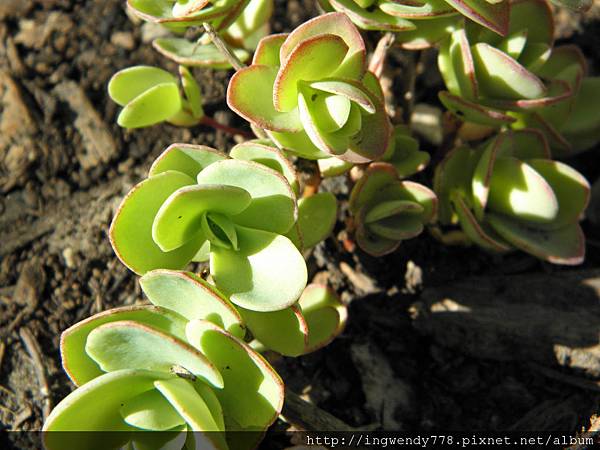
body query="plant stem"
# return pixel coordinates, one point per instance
(222, 46)
(210, 122)
(377, 62)
(307, 417)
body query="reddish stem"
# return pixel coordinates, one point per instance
(210, 122)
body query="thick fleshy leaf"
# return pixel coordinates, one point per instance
(186, 158)
(188, 53)
(429, 32)
(252, 396)
(250, 94)
(173, 439)
(474, 112)
(517, 190)
(284, 331)
(298, 143)
(477, 232)
(371, 18)
(131, 229)
(354, 92)
(397, 228)
(454, 173)
(189, 405)
(403, 153)
(332, 167)
(312, 59)
(530, 144)
(95, 407)
(571, 189)
(80, 367)
(267, 156)
(127, 345)
(155, 105)
(150, 411)
(464, 67)
(267, 273)
(267, 51)
(191, 297)
(562, 246)
(377, 177)
(373, 244)
(413, 192)
(164, 12)
(179, 218)
(273, 206)
(501, 146)
(129, 83)
(492, 15)
(391, 208)
(325, 314)
(354, 64)
(424, 10)
(316, 217)
(501, 76)
(192, 92)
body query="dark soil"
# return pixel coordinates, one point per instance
(65, 165)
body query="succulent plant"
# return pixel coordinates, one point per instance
(519, 80)
(508, 194)
(150, 95)
(311, 92)
(424, 23)
(181, 365)
(180, 14)
(388, 210)
(199, 204)
(145, 368)
(242, 36)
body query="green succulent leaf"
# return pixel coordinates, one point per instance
(269, 191)
(179, 219)
(192, 298)
(474, 112)
(316, 217)
(267, 156)
(77, 363)
(267, 273)
(129, 83)
(492, 15)
(311, 59)
(95, 407)
(155, 105)
(150, 411)
(354, 64)
(186, 158)
(284, 331)
(561, 246)
(517, 190)
(190, 54)
(252, 396)
(267, 51)
(131, 229)
(582, 128)
(192, 92)
(250, 94)
(332, 167)
(571, 189)
(325, 315)
(127, 345)
(503, 77)
(371, 18)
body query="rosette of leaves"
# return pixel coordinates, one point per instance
(311, 92)
(150, 95)
(242, 36)
(518, 80)
(421, 24)
(199, 204)
(181, 14)
(509, 194)
(388, 210)
(146, 368)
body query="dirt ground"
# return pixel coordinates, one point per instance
(65, 165)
